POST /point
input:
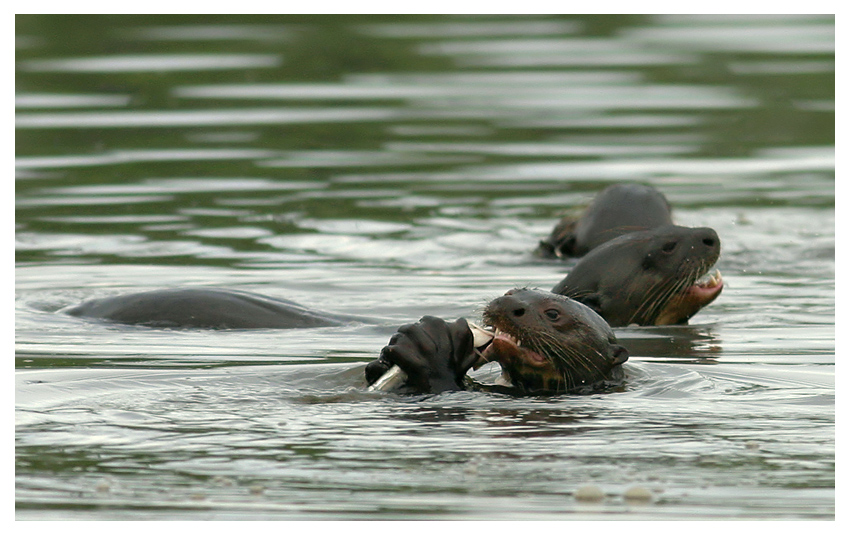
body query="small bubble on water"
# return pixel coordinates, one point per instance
(638, 494)
(589, 493)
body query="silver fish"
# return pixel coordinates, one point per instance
(395, 377)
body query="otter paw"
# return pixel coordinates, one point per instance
(434, 354)
(376, 369)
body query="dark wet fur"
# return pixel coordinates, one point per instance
(582, 367)
(618, 209)
(629, 280)
(659, 296)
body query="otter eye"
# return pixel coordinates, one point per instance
(668, 247)
(552, 314)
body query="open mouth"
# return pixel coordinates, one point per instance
(706, 288)
(500, 346)
(692, 298)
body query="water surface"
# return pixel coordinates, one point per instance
(395, 167)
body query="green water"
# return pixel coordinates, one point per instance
(396, 167)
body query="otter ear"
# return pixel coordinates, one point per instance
(619, 354)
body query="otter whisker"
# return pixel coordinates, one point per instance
(660, 296)
(655, 303)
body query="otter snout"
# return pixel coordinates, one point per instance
(702, 245)
(509, 305)
(707, 238)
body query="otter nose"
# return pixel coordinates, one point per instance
(510, 305)
(709, 238)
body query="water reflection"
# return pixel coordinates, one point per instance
(213, 32)
(680, 343)
(703, 169)
(199, 118)
(47, 100)
(582, 91)
(706, 35)
(401, 166)
(137, 156)
(440, 30)
(153, 63)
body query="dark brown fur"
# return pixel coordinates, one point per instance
(617, 210)
(648, 277)
(563, 345)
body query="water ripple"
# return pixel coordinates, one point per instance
(153, 63)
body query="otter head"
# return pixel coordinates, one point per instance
(548, 342)
(617, 210)
(649, 277)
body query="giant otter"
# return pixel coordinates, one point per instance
(617, 210)
(648, 277)
(545, 343)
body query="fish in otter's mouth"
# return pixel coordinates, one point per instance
(522, 366)
(493, 343)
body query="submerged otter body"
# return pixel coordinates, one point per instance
(617, 210)
(550, 343)
(649, 277)
(204, 308)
